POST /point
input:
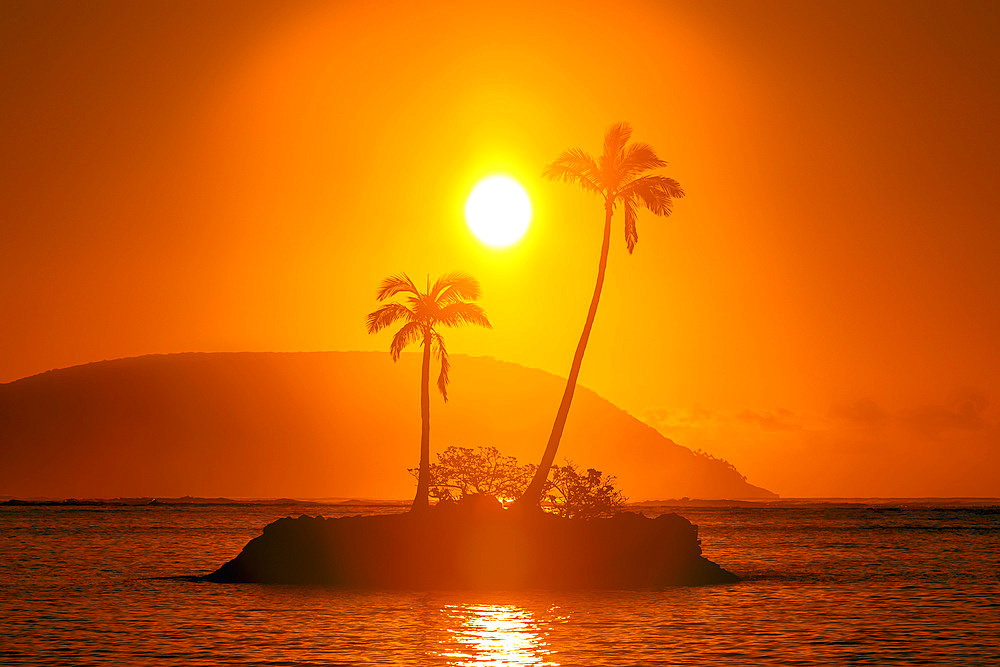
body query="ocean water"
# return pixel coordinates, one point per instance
(824, 585)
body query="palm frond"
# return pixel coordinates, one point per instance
(656, 192)
(615, 138)
(631, 234)
(394, 285)
(575, 166)
(456, 286)
(638, 158)
(610, 161)
(463, 312)
(425, 308)
(408, 333)
(442, 355)
(386, 315)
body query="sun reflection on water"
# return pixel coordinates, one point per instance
(495, 635)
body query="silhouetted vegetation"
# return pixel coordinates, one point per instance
(462, 472)
(446, 303)
(619, 177)
(722, 462)
(577, 494)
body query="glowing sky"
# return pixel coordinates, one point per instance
(822, 309)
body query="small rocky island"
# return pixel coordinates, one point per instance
(476, 545)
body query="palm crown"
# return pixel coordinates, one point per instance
(618, 177)
(445, 303)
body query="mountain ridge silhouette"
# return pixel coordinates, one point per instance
(310, 424)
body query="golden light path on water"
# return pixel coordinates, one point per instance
(492, 635)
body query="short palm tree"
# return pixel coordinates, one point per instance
(446, 303)
(619, 178)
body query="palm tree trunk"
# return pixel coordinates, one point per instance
(421, 500)
(533, 495)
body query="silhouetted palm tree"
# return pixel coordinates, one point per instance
(446, 303)
(619, 177)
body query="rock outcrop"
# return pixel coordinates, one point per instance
(463, 547)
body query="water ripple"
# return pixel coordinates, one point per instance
(906, 587)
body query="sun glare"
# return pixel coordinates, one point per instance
(495, 635)
(498, 211)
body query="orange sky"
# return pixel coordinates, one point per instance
(822, 309)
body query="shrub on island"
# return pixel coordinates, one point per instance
(569, 492)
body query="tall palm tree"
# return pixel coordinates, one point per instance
(619, 178)
(446, 303)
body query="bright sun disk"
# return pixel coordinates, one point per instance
(498, 211)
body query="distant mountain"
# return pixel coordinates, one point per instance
(310, 424)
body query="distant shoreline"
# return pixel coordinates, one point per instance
(197, 501)
(7, 501)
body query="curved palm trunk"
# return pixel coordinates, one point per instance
(421, 500)
(533, 495)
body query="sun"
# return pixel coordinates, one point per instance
(498, 211)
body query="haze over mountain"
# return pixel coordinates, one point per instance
(310, 424)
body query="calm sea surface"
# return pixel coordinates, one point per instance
(824, 585)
